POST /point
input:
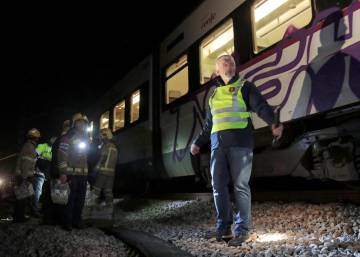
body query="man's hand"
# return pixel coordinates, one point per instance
(63, 179)
(277, 131)
(194, 149)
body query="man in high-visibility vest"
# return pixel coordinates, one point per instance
(229, 127)
(42, 168)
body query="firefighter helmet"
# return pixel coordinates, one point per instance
(106, 133)
(79, 116)
(33, 133)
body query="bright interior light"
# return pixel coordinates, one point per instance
(91, 127)
(219, 42)
(82, 145)
(136, 98)
(1, 182)
(266, 7)
(271, 237)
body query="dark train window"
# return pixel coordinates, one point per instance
(325, 4)
(119, 116)
(104, 120)
(135, 106)
(218, 43)
(271, 19)
(177, 79)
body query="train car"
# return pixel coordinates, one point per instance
(127, 110)
(303, 55)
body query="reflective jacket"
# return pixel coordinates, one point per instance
(44, 151)
(72, 154)
(228, 107)
(108, 159)
(25, 163)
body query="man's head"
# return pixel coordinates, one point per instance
(105, 134)
(225, 67)
(65, 127)
(80, 122)
(33, 134)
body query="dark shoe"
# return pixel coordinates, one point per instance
(219, 235)
(67, 227)
(238, 240)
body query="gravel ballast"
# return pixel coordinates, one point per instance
(279, 229)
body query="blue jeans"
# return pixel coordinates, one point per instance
(233, 163)
(37, 185)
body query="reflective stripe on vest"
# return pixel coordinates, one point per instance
(228, 107)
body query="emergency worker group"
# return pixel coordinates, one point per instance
(56, 173)
(63, 162)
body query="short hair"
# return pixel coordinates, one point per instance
(221, 57)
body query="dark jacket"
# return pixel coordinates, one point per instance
(255, 102)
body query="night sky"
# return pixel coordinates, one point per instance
(58, 62)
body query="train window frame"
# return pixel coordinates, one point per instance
(123, 101)
(165, 78)
(107, 113)
(131, 121)
(228, 21)
(144, 106)
(255, 47)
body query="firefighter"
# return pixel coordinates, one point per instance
(72, 166)
(24, 172)
(53, 213)
(105, 167)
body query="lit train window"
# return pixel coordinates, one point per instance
(135, 106)
(272, 19)
(177, 79)
(218, 43)
(104, 120)
(119, 116)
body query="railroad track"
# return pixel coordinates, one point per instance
(315, 196)
(146, 244)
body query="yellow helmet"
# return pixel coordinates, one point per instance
(34, 133)
(78, 116)
(106, 133)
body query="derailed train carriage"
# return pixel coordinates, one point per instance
(303, 55)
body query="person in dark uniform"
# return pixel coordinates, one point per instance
(53, 213)
(106, 167)
(72, 166)
(24, 176)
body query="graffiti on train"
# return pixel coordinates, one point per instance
(311, 70)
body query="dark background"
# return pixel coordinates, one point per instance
(58, 60)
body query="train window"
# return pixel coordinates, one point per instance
(177, 79)
(325, 4)
(104, 120)
(218, 43)
(119, 116)
(271, 19)
(135, 106)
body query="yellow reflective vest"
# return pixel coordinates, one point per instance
(228, 107)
